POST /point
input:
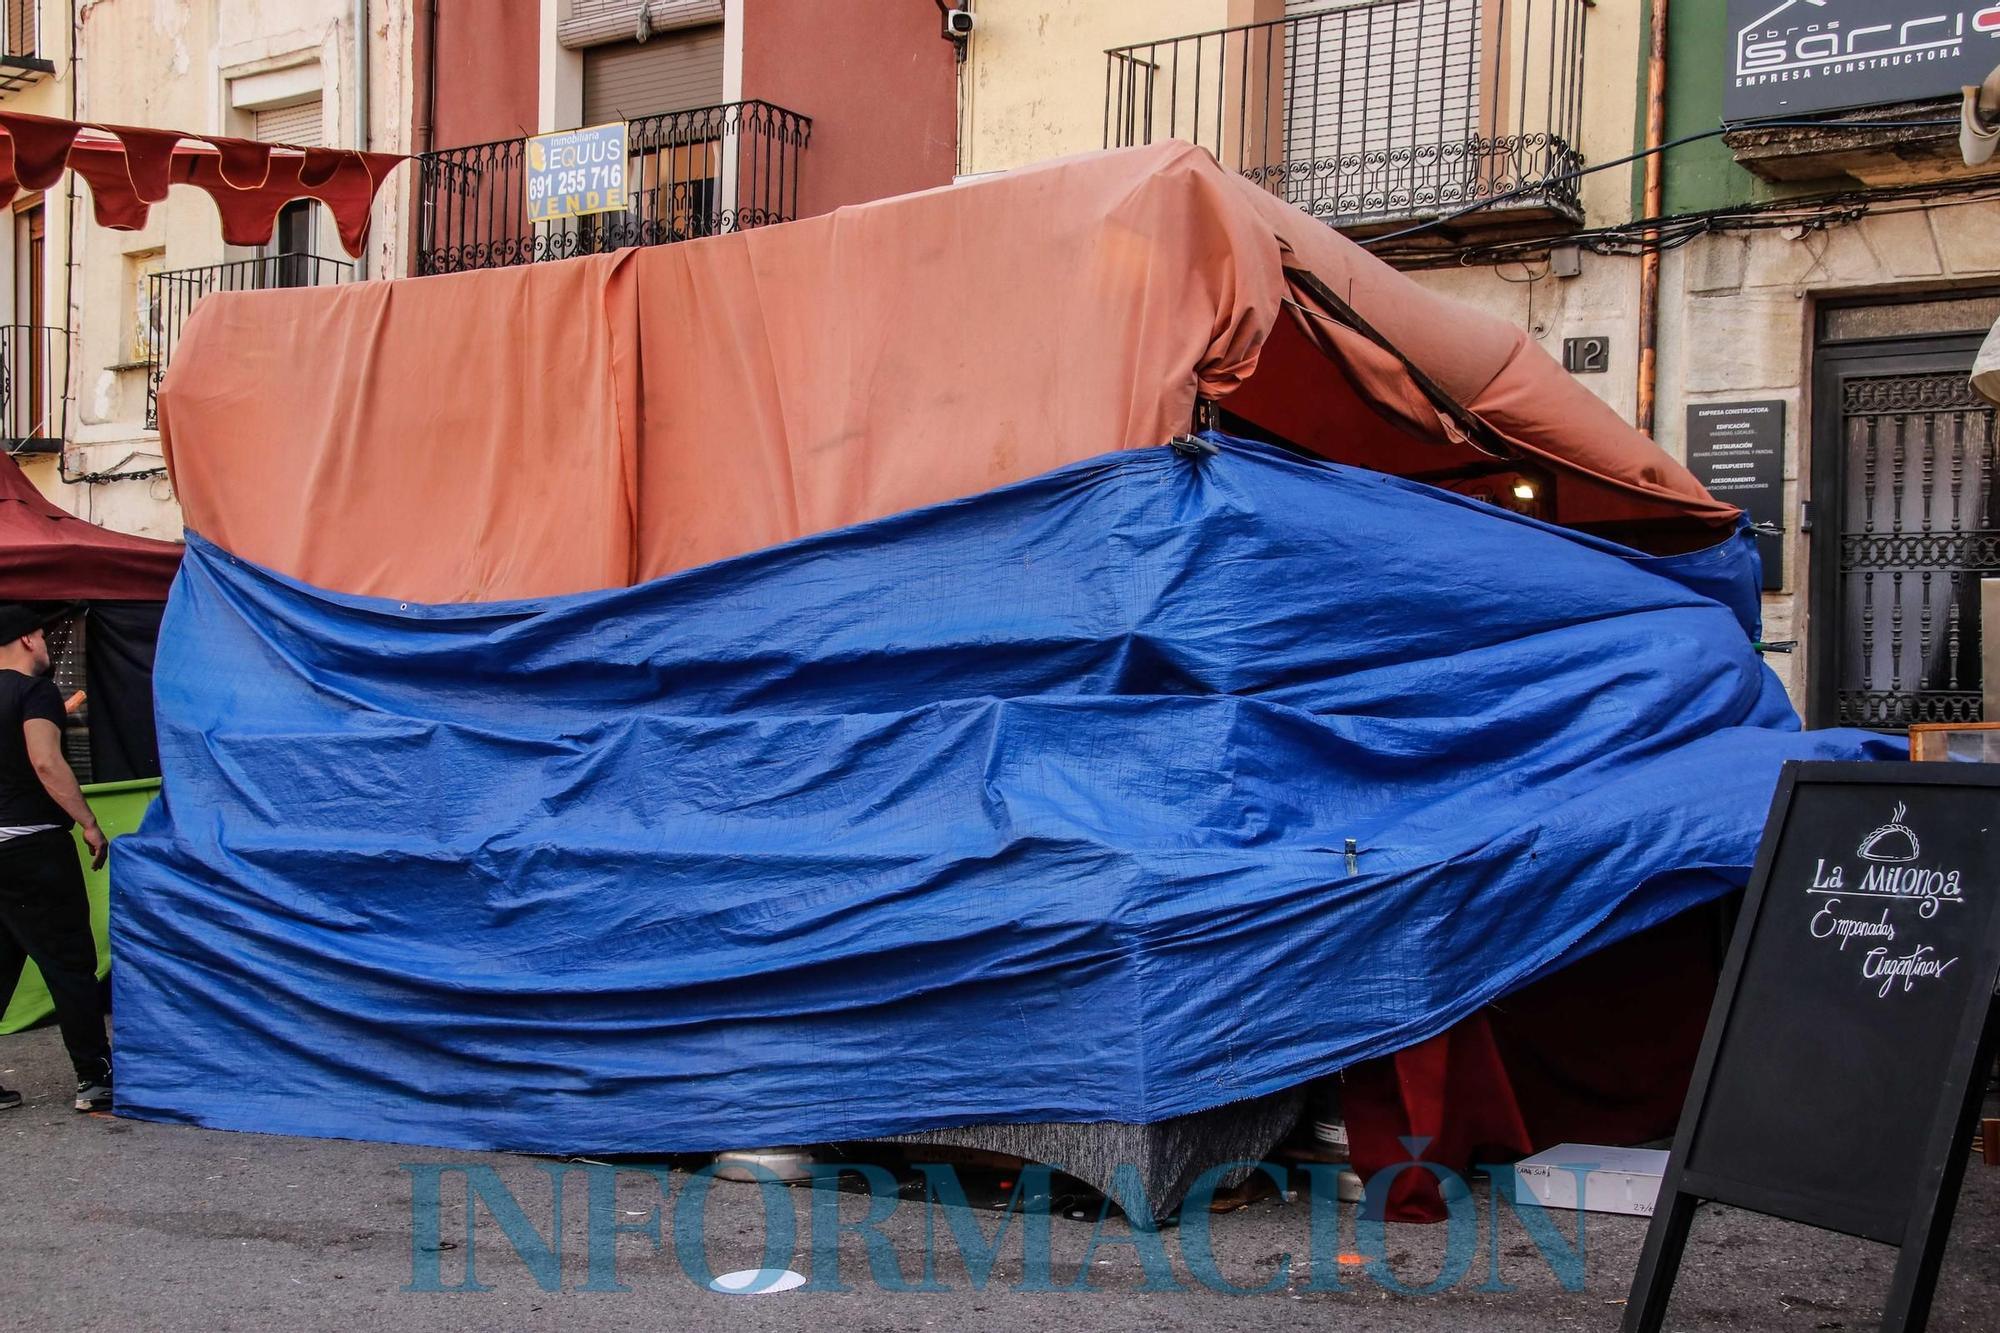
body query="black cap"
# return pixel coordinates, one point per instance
(20, 619)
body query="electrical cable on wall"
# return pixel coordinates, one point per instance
(114, 472)
(1542, 183)
(1815, 213)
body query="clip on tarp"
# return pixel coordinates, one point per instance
(1193, 446)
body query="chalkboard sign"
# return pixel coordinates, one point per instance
(1846, 1053)
(1737, 450)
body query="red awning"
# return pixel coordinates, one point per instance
(48, 555)
(129, 169)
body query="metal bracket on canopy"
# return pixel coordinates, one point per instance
(1193, 446)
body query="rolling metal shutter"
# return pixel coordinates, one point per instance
(1364, 78)
(593, 21)
(674, 72)
(298, 124)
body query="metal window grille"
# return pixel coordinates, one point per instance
(1917, 534)
(1377, 112)
(692, 173)
(175, 293)
(34, 387)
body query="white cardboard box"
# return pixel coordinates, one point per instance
(1620, 1180)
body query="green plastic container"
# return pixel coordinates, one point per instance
(119, 807)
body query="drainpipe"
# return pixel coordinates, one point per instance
(424, 40)
(1654, 204)
(361, 102)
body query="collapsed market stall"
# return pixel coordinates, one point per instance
(775, 688)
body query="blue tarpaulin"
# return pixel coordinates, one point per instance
(1032, 806)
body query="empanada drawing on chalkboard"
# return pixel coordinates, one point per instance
(1895, 842)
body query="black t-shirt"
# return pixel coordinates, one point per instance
(24, 802)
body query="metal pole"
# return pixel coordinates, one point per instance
(361, 102)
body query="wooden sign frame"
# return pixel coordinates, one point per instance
(1920, 1231)
(1930, 741)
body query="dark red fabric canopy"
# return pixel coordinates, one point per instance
(130, 168)
(48, 555)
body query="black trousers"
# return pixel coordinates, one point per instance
(45, 915)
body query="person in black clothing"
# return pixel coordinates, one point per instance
(44, 910)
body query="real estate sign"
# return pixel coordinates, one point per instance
(1801, 57)
(576, 172)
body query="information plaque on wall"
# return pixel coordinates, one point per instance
(1737, 450)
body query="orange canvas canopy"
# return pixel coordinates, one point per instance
(569, 426)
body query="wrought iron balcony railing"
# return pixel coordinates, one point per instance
(1373, 113)
(34, 388)
(21, 60)
(172, 296)
(690, 173)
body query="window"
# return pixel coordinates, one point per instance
(675, 160)
(672, 71)
(297, 124)
(140, 270)
(288, 259)
(1381, 77)
(23, 27)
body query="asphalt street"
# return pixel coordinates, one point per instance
(113, 1223)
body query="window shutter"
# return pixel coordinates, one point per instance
(592, 22)
(297, 124)
(1359, 80)
(675, 72)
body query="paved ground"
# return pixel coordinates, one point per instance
(108, 1223)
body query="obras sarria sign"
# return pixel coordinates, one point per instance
(1800, 57)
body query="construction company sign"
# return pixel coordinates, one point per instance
(1801, 57)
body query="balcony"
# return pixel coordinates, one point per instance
(34, 388)
(21, 61)
(1374, 115)
(171, 298)
(689, 173)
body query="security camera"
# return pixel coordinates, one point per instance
(1979, 121)
(958, 24)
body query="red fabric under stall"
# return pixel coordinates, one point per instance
(1599, 1052)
